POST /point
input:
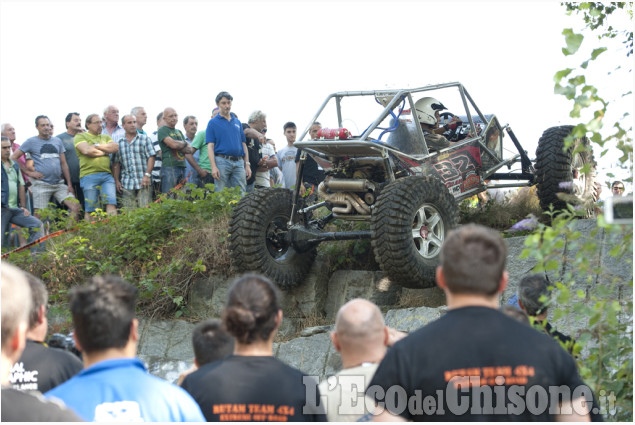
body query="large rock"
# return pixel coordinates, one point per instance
(165, 347)
(617, 268)
(589, 233)
(426, 297)
(310, 355)
(346, 285)
(517, 267)
(290, 327)
(170, 339)
(410, 319)
(308, 299)
(207, 297)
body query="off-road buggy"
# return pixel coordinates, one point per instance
(387, 176)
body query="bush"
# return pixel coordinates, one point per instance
(603, 313)
(502, 215)
(160, 249)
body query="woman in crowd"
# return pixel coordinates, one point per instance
(252, 385)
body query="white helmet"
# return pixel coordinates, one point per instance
(426, 107)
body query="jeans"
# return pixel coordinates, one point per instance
(170, 177)
(232, 174)
(92, 185)
(16, 216)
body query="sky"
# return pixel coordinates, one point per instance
(284, 58)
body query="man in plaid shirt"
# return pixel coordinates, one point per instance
(134, 163)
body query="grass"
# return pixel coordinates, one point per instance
(503, 215)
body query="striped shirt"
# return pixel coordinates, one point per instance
(133, 157)
(156, 171)
(116, 134)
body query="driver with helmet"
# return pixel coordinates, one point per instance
(428, 113)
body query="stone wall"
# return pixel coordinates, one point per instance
(166, 346)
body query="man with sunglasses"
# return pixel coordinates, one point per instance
(617, 188)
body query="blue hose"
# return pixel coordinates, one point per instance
(395, 118)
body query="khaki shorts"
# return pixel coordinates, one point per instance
(42, 193)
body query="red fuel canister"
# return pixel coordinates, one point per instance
(334, 133)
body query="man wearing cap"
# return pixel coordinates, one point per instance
(226, 147)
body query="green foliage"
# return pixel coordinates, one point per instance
(596, 14)
(573, 41)
(573, 84)
(597, 299)
(160, 249)
(352, 254)
(501, 215)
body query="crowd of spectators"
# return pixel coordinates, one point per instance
(386, 374)
(109, 163)
(473, 363)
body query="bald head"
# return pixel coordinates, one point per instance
(359, 323)
(170, 117)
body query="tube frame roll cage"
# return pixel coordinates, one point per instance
(370, 147)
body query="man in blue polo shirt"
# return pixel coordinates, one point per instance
(227, 147)
(114, 385)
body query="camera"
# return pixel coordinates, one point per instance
(65, 342)
(619, 209)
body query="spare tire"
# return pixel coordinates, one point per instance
(409, 223)
(559, 173)
(257, 238)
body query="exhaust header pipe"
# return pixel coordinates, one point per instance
(349, 185)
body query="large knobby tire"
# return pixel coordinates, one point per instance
(559, 173)
(257, 241)
(409, 223)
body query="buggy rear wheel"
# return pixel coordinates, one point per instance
(561, 175)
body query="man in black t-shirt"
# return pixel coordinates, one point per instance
(41, 368)
(254, 139)
(475, 363)
(281, 399)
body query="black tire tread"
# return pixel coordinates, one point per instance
(553, 167)
(247, 239)
(391, 225)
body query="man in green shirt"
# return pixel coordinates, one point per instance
(174, 147)
(93, 150)
(204, 170)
